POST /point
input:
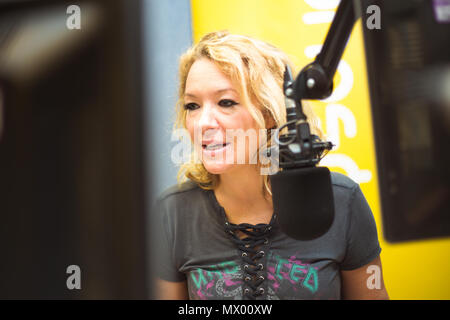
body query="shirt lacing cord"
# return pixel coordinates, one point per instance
(257, 235)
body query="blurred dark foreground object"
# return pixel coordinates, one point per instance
(408, 63)
(71, 147)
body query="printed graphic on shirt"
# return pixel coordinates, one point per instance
(290, 276)
(221, 281)
(287, 278)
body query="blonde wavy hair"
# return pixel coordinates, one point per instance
(257, 69)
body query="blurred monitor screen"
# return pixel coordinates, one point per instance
(408, 63)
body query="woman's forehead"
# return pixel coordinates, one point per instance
(205, 75)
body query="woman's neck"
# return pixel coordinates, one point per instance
(240, 193)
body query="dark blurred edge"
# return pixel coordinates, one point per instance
(408, 60)
(72, 171)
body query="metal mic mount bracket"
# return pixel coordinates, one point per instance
(315, 81)
(297, 147)
(312, 83)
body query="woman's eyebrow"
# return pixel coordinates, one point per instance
(192, 95)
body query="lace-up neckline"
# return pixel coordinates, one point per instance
(252, 248)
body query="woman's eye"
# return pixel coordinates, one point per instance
(190, 106)
(227, 103)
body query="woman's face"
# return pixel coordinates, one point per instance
(219, 125)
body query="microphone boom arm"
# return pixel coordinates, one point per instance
(298, 148)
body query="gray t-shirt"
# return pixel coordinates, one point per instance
(195, 244)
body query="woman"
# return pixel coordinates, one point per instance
(218, 235)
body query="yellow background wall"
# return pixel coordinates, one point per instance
(412, 270)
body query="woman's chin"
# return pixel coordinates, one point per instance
(216, 168)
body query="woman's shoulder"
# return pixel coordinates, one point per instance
(344, 189)
(180, 195)
(342, 181)
(174, 202)
(178, 190)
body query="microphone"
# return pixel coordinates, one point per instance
(301, 192)
(303, 201)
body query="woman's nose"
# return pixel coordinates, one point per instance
(207, 118)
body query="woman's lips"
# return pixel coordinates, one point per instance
(213, 149)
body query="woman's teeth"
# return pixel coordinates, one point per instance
(215, 146)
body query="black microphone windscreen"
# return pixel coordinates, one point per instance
(303, 201)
